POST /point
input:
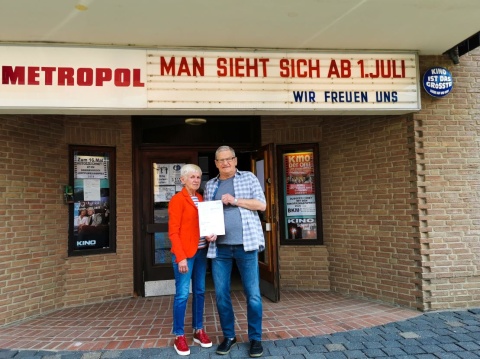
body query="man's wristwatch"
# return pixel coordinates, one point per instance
(235, 201)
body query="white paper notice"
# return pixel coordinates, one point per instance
(91, 189)
(211, 220)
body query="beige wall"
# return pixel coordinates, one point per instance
(36, 274)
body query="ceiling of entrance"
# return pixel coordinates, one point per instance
(430, 27)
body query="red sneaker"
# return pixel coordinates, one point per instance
(202, 338)
(181, 345)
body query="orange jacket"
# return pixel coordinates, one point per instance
(183, 227)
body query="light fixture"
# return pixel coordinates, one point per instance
(195, 121)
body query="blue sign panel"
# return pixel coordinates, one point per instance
(437, 81)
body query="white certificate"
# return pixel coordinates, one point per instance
(210, 215)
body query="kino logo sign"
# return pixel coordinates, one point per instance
(437, 81)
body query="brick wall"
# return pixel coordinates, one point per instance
(400, 199)
(448, 158)
(369, 241)
(36, 274)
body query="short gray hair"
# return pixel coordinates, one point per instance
(189, 168)
(224, 148)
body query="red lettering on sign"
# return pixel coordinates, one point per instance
(65, 76)
(170, 67)
(345, 70)
(85, 76)
(241, 67)
(301, 68)
(33, 75)
(68, 76)
(13, 76)
(48, 74)
(102, 75)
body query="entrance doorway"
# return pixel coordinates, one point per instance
(156, 166)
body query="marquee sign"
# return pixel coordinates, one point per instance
(177, 80)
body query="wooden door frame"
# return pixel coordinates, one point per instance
(140, 152)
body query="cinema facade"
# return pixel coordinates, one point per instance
(369, 161)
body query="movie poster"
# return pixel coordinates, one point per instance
(91, 196)
(166, 180)
(300, 206)
(299, 173)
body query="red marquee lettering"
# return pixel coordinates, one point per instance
(137, 75)
(32, 75)
(13, 76)
(48, 73)
(69, 76)
(85, 76)
(66, 76)
(301, 68)
(122, 77)
(169, 67)
(101, 75)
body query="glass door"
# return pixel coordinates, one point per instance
(160, 181)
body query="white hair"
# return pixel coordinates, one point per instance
(189, 168)
(224, 148)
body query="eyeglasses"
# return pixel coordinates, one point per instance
(224, 160)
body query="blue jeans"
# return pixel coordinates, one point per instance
(197, 268)
(247, 264)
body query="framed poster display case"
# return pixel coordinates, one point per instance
(300, 215)
(92, 213)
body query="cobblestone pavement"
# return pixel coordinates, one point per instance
(442, 334)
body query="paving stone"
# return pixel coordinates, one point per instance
(302, 341)
(432, 349)
(373, 345)
(354, 345)
(92, 355)
(14, 353)
(410, 335)
(391, 352)
(445, 339)
(462, 337)
(355, 354)
(428, 341)
(392, 344)
(284, 343)
(470, 346)
(374, 353)
(112, 354)
(413, 349)
(334, 347)
(447, 356)
(335, 355)
(316, 348)
(467, 355)
(321, 340)
(297, 350)
(450, 347)
(314, 356)
(278, 351)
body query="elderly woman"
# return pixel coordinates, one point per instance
(189, 258)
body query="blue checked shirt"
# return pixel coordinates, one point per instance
(246, 185)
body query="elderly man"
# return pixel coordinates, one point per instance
(94, 219)
(242, 196)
